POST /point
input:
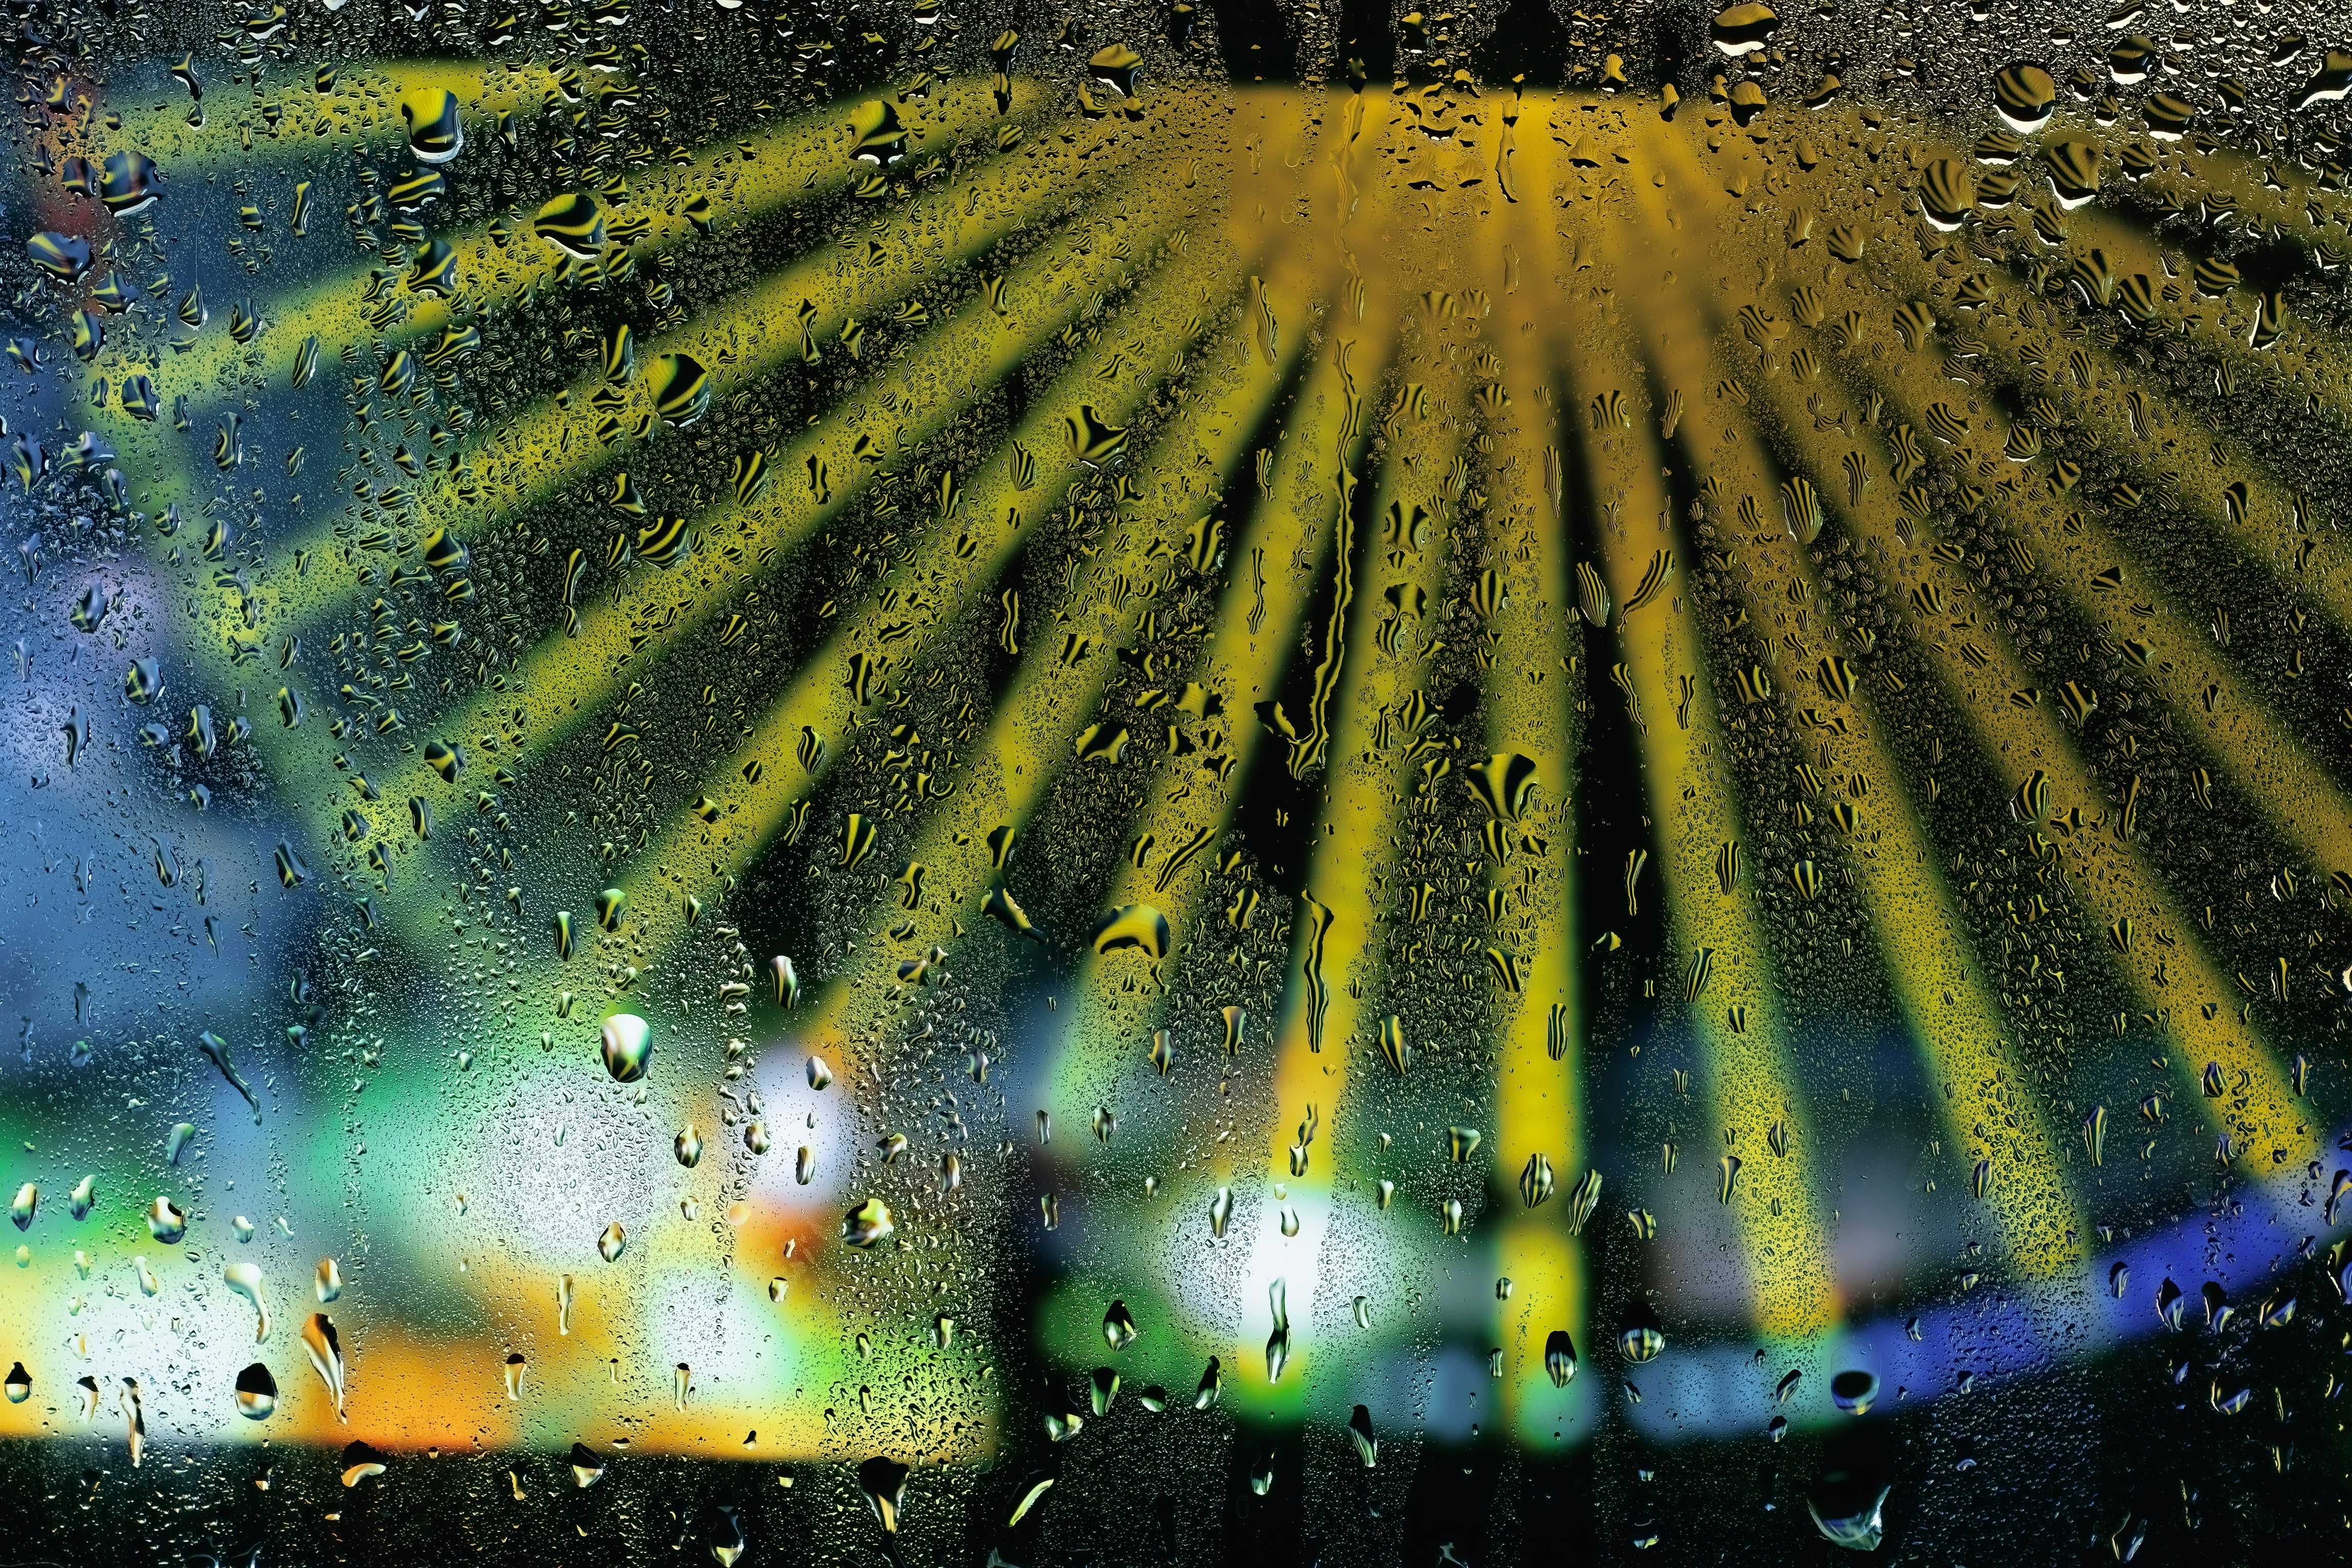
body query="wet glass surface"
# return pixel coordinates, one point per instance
(1153, 784)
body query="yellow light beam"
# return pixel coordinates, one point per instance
(843, 678)
(2241, 732)
(779, 168)
(1324, 436)
(532, 456)
(564, 681)
(1735, 1015)
(1955, 1024)
(2030, 341)
(2112, 877)
(1028, 745)
(1339, 940)
(1254, 635)
(1531, 706)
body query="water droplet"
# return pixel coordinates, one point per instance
(2023, 95)
(1854, 1391)
(1738, 29)
(1848, 1511)
(2074, 170)
(167, 1222)
(1212, 1386)
(1028, 1501)
(727, 1544)
(1118, 1326)
(884, 1482)
(1643, 1337)
(435, 134)
(132, 183)
(1560, 1358)
(2169, 1305)
(1136, 927)
(143, 683)
(320, 1343)
(573, 224)
(65, 258)
(245, 1279)
(628, 1044)
(681, 390)
(257, 1393)
(868, 1224)
(134, 1419)
(876, 135)
(361, 1461)
(1115, 66)
(2331, 83)
(1277, 1344)
(1360, 1433)
(587, 1467)
(1946, 192)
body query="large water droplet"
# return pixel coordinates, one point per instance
(257, 1393)
(1643, 1337)
(587, 1467)
(628, 1044)
(868, 1224)
(167, 1222)
(320, 1343)
(2023, 95)
(245, 1279)
(435, 133)
(884, 1482)
(876, 135)
(1854, 1391)
(1848, 1510)
(573, 224)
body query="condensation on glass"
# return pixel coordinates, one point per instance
(980, 783)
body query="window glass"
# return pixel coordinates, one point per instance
(974, 782)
